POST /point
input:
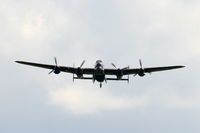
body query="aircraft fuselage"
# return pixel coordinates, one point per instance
(99, 74)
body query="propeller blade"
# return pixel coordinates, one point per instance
(128, 79)
(140, 63)
(51, 71)
(55, 61)
(55, 66)
(82, 63)
(135, 75)
(113, 65)
(125, 68)
(73, 72)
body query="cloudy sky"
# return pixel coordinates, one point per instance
(160, 32)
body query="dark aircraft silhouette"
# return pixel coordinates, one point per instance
(98, 73)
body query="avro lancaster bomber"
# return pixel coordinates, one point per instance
(99, 73)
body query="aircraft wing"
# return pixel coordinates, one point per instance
(62, 68)
(107, 71)
(156, 69)
(136, 70)
(150, 69)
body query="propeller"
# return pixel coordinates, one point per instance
(56, 69)
(125, 68)
(73, 72)
(140, 64)
(79, 71)
(141, 71)
(120, 71)
(128, 79)
(51, 71)
(56, 61)
(119, 68)
(113, 65)
(82, 63)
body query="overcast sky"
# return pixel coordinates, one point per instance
(160, 32)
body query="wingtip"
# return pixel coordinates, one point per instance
(181, 66)
(18, 61)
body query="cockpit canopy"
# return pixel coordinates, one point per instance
(99, 63)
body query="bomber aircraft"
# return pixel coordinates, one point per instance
(99, 73)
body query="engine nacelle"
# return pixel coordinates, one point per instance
(79, 73)
(119, 74)
(141, 73)
(56, 70)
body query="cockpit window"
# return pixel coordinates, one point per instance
(99, 61)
